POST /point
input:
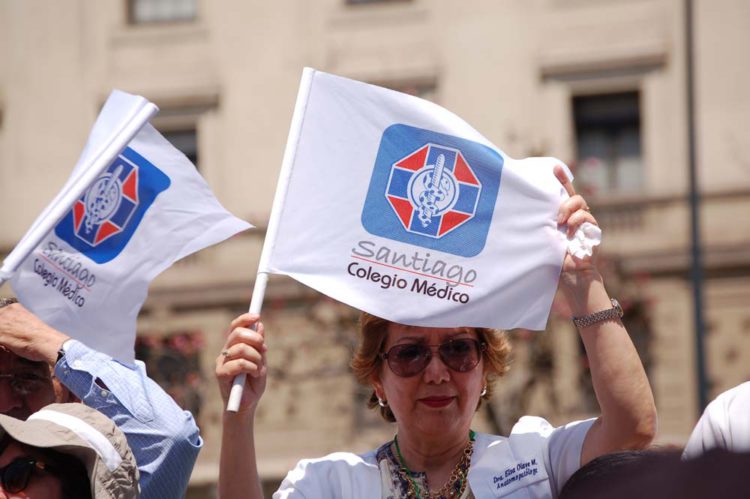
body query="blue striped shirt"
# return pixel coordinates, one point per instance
(164, 439)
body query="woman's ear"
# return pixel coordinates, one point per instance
(377, 386)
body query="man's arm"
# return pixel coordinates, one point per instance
(24, 334)
(164, 439)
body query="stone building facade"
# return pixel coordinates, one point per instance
(600, 84)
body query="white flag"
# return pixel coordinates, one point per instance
(398, 207)
(89, 276)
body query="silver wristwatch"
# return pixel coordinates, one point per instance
(614, 313)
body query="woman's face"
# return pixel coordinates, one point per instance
(42, 484)
(438, 399)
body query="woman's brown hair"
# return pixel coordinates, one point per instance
(372, 334)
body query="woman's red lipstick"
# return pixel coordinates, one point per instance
(436, 402)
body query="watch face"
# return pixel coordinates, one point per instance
(618, 308)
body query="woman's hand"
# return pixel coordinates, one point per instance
(244, 353)
(573, 212)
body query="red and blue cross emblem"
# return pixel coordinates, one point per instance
(102, 221)
(433, 190)
(106, 207)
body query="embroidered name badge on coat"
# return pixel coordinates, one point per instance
(523, 473)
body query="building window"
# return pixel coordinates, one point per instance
(186, 141)
(608, 140)
(157, 11)
(181, 119)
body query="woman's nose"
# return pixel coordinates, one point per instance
(436, 370)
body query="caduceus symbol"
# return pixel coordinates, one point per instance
(102, 199)
(435, 191)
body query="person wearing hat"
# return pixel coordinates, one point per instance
(40, 365)
(66, 451)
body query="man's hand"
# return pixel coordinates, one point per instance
(27, 336)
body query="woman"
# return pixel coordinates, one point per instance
(430, 381)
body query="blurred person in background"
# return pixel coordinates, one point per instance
(661, 474)
(40, 365)
(724, 424)
(430, 381)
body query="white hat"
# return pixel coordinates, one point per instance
(94, 439)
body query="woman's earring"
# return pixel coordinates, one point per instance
(484, 391)
(382, 403)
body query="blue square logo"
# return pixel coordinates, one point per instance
(432, 190)
(103, 220)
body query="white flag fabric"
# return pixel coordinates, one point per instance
(150, 207)
(397, 207)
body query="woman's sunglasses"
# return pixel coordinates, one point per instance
(409, 359)
(16, 475)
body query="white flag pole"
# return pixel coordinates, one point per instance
(79, 172)
(62, 203)
(261, 278)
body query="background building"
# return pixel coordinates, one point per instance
(600, 84)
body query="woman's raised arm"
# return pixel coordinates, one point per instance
(628, 412)
(243, 352)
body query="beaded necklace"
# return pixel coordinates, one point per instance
(458, 475)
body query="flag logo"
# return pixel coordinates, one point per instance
(424, 189)
(432, 190)
(104, 218)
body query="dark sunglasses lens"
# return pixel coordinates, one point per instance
(16, 475)
(408, 360)
(460, 355)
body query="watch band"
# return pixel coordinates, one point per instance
(614, 313)
(4, 302)
(60, 355)
(62, 351)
